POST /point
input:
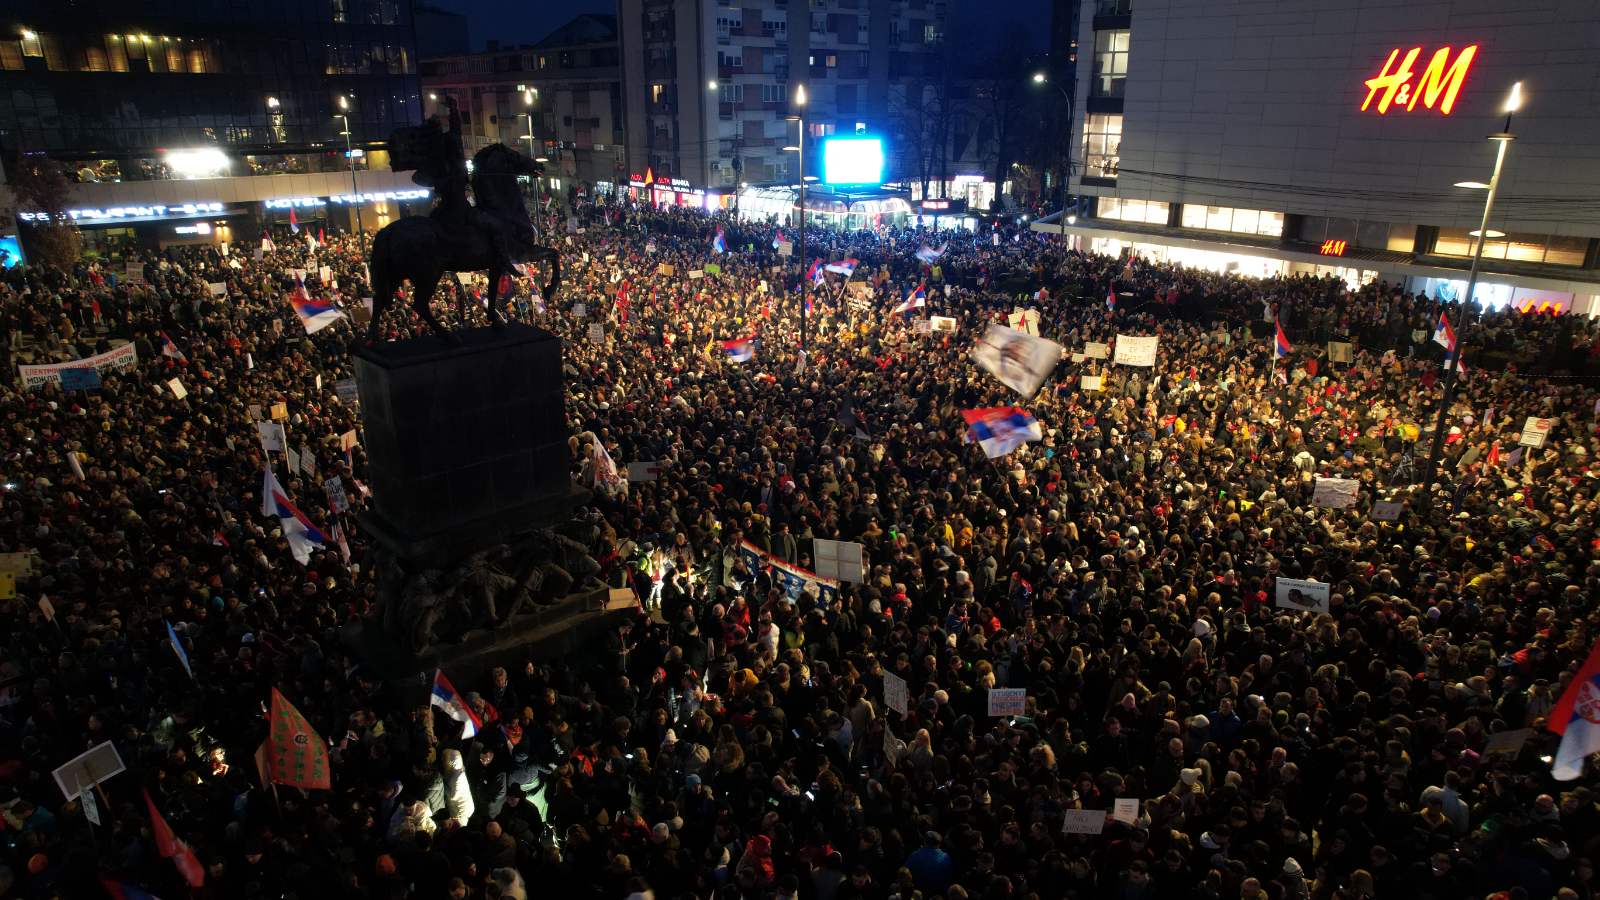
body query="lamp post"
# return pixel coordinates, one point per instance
(528, 96)
(1066, 147)
(1503, 140)
(800, 152)
(355, 192)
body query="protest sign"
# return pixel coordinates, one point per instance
(922, 326)
(1092, 382)
(8, 585)
(1306, 596)
(347, 441)
(785, 248)
(1008, 701)
(337, 500)
(294, 459)
(177, 388)
(134, 272)
(117, 359)
(1386, 511)
(345, 390)
(713, 269)
(580, 310)
(944, 323)
(20, 563)
(1078, 357)
(217, 288)
(1025, 321)
(272, 437)
(1083, 821)
(696, 273)
(666, 269)
(644, 471)
(895, 695)
(597, 333)
(1534, 432)
(99, 763)
(1340, 352)
(1136, 350)
(1335, 493)
(47, 608)
(80, 380)
(1125, 811)
(842, 560)
(308, 462)
(1095, 350)
(280, 411)
(1507, 743)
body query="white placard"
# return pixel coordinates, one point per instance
(1024, 320)
(336, 495)
(597, 333)
(1534, 432)
(1136, 350)
(1083, 821)
(1078, 357)
(1008, 701)
(1125, 811)
(217, 288)
(178, 390)
(944, 323)
(99, 763)
(579, 310)
(1306, 596)
(696, 273)
(308, 461)
(272, 436)
(840, 560)
(294, 459)
(1335, 493)
(1092, 382)
(895, 695)
(1095, 350)
(785, 248)
(1386, 511)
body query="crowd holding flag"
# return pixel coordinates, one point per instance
(1280, 341)
(845, 267)
(720, 242)
(1576, 717)
(447, 699)
(296, 755)
(1444, 335)
(815, 273)
(1020, 360)
(929, 255)
(606, 477)
(777, 238)
(739, 349)
(915, 300)
(1001, 429)
(315, 315)
(294, 223)
(1111, 298)
(171, 846)
(303, 536)
(170, 349)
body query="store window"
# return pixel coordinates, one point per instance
(1110, 63)
(1151, 212)
(1555, 250)
(1102, 141)
(1237, 221)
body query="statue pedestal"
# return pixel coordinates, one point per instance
(467, 442)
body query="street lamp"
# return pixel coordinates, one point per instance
(1066, 173)
(800, 151)
(1502, 141)
(528, 96)
(355, 190)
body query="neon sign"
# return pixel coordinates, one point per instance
(1438, 85)
(1332, 248)
(112, 213)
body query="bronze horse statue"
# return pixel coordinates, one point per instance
(490, 236)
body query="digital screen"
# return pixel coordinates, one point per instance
(852, 161)
(10, 251)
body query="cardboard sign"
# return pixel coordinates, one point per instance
(47, 608)
(597, 333)
(1534, 432)
(217, 288)
(1094, 350)
(255, 412)
(178, 390)
(580, 310)
(1008, 701)
(80, 380)
(644, 471)
(1507, 743)
(334, 488)
(17, 563)
(280, 411)
(666, 269)
(944, 323)
(1136, 350)
(1083, 821)
(1092, 382)
(1335, 493)
(99, 763)
(785, 248)
(840, 560)
(273, 440)
(1340, 352)
(1125, 811)
(1305, 596)
(1386, 511)
(345, 390)
(695, 274)
(895, 695)
(8, 585)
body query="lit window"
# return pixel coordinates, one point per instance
(1110, 63)
(1152, 212)
(1102, 142)
(656, 90)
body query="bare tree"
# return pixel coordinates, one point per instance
(41, 185)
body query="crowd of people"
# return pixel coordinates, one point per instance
(734, 738)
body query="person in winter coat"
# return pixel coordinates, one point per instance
(457, 793)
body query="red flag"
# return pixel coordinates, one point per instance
(1494, 454)
(172, 847)
(296, 754)
(322, 236)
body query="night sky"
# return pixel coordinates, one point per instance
(525, 23)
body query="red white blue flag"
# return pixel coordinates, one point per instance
(845, 267)
(1280, 343)
(720, 242)
(168, 348)
(298, 529)
(1444, 335)
(1576, 717)
(917, 299)
(315, 315)
(1001, 429)
(739, 349)
(454, 705)
(815, 272)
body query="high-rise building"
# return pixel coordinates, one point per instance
(1343, 139)
(197, 120)
(708, 83)
(565, 91)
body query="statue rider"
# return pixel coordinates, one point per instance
(450, 180)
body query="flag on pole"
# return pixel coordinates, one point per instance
(720, 242)
(1000, 429)
(739, 349)
(1111, 298)
(1494, 455)
(1280, 344)
(294, 223)
(339, 539)
(303, 536)
(172, 847)
(322, 235)
(445, 697)
(606, 477)
(177, 647)
(815, 272)
(315, 315)
(296, 755)
(845, 267)
(1444, 335)
(1020, 360)
(777, 238)
(928, 255)
(1576, 717)
(917, 299)
(168, 348)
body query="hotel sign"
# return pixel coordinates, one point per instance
(1398, 85)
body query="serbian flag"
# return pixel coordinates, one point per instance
(1444, 335)
(739, 349)
(303, 536)
(445, 697)
(815, 272)
(928, 256)
(296, 755)
(845, 267)
(168, 348)
(294, 223)
(720, 242)
(1111, 298)
(1000, 429)
(1576, 717)
(172, 847)
(1280, 344)
(315, 315)
(915, 300)
(777, 238)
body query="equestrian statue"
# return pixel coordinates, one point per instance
(493, 234)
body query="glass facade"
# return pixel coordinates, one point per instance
(121, 83)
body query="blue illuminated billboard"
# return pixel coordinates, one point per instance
(852, 160)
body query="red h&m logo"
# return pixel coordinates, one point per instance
(1333, 248)
(1439, 83)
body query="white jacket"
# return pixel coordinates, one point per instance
(457, 794)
